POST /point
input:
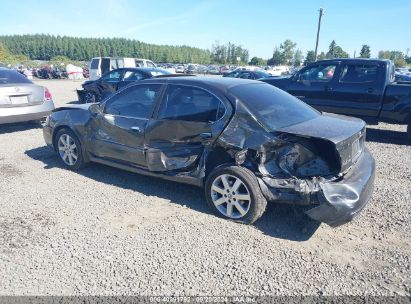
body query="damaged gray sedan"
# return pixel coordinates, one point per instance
(246, 142)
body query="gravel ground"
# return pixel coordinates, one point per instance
(103, 231)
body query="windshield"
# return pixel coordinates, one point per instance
(273, 107)
(10, 76)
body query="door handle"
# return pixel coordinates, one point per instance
(205, 135)
(136, 129)
(370, 90)
(328, 89)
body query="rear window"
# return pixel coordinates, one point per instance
(273, 107)
(261, 74)
(94, 64)
(10, 76)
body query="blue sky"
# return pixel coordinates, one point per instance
(257, 25)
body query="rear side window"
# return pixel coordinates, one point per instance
(94, 64)
(137, 101)
(132, 76)
(10, 76)
(190, 104)
(356, 73)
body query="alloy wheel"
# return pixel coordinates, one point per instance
(67, 149)
(230, 196)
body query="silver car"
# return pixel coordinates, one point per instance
(21, 100)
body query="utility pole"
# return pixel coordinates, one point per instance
(318, 31)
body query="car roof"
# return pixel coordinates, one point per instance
(219, 83)
(352, 59)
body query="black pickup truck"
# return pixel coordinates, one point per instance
(364, 88)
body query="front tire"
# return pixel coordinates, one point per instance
(234, 193)
(69, 149)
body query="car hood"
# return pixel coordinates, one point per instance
(88, 82)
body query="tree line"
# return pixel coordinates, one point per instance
(46, 47)
(20, 48)
(288, 54)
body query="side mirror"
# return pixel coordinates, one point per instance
(95, 109)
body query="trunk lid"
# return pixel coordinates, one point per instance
(347, 134)
(18, 95)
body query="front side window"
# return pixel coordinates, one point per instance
(190, 104)
(321, 73)
(359, 73)
(112, 76)
(137, 101)
(150, 64)
(246, 75)
(233, 74)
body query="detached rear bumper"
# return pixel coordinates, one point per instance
(341, 201)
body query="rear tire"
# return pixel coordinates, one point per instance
(234, 193)
(69, 149)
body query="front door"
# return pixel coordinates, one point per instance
(109, 82)
(314, 85)
(189, 119)
(118, 132)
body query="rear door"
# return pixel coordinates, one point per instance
(359, 89)
(118, 132)
(314, 85)
(189, 119)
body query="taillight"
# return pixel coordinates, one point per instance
(47, 94)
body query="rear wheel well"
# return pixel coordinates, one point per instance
(216, 158)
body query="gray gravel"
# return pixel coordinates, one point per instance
(107, 232)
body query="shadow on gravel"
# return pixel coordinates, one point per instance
(18, 127)
(279, 221)
(386, 136)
